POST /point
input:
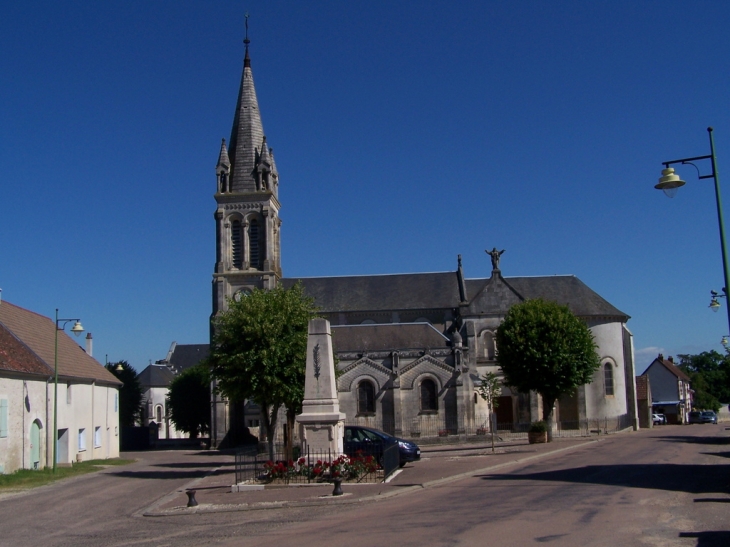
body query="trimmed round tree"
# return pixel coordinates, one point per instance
(188, 401)
(543, 347)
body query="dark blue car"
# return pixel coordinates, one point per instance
(371, 441)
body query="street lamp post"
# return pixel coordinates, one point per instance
(76, 329)
(669, 182)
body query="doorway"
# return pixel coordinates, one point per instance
(62, 446)
(35, 445)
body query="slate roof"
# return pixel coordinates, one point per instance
(417, 291)
(421, 291)
(38, 334)
(155, 376)
(386, 337)
(247, 133)
(17, 357)
(188, 355)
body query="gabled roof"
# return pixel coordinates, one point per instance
(38, 334)
(660, 361)
(419, 291)
(187, 355)
(15, 356)
(387, 337)
(155, 376)
(423, 291)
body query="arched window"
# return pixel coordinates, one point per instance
(488, 345)
(158, 413)
(254, 252)
(224, 181)
(236, 244)
(608, 378)
(365, 398)
(429, 397)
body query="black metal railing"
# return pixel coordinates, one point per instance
(313, 466)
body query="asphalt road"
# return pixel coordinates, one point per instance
(666, 487)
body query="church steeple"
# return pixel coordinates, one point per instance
(247, 133)
(247, 214)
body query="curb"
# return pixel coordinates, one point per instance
(216, 508)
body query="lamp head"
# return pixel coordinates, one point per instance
(669, 182)
(724, 341)
(77, 328)
(714, 304)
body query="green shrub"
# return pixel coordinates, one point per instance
(538, 427)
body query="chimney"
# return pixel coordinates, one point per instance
(661, 357)
(670, 359)
(89, 344)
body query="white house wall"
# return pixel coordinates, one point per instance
(15, 449)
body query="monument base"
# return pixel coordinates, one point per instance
(322, 433)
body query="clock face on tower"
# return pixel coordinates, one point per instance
(240, 294)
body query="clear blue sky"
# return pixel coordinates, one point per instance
(405, 133)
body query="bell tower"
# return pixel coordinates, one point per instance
(247, 213)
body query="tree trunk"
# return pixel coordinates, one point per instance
(269, 415)
(549, 403)
(289, 440)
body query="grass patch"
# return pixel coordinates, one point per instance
(23, 479)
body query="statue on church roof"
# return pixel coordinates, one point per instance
(495, 256)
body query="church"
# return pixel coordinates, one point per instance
(411, 348)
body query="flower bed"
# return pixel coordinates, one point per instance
(359, 468)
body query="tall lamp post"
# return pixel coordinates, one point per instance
(669, 182)
(76, 329)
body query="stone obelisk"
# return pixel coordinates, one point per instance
(321, 424)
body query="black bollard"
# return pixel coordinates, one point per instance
(338, 487)
(191, 498)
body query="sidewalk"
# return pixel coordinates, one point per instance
(439, 464)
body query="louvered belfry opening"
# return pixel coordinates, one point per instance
(236, 244)
(255, 247)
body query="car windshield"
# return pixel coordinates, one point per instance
(377, 435)
(708, 413)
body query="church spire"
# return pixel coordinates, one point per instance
(247, 133)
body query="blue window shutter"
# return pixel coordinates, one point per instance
(3, 417)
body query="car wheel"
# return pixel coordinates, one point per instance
(402, 464)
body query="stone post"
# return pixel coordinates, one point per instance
(321, 424)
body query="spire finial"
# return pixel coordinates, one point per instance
(246, 41)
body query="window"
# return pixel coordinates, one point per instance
(3, 417)
(68, 393)
(608, 378)
(429, 400)
(236, 244)
(488, 344)
(116, 402)
(158, 413)
(254, 257)
(365, 398)
(97, 437)
(82, 439)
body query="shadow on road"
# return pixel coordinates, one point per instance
(172, 474)
(696, 440)
(709, 539)
(694, 479)
(191, 465)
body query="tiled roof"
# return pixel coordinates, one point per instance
(670, 366)
(38, 333)
(642, 388)
(188, 355)
(17, 357)
(388, 337)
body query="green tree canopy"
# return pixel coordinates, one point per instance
(543, 347)
(709, 374)
(188, 401)
(259, 351)
(130, 394)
